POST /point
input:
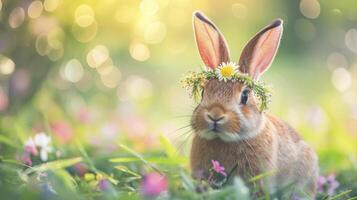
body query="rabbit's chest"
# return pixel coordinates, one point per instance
(248, 159)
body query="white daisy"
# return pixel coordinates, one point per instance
(225, 71)
(43, 141)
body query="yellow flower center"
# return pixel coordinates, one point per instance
(227, 71)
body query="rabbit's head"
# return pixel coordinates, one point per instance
(228, 109)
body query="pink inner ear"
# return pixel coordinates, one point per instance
(207, 44)
(210, 42)
(264, 51)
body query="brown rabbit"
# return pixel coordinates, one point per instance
(231, 129)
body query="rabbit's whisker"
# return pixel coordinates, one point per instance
(179, 148)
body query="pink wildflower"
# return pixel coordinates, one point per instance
(80, 169)
(30, 147)
(26, 159)
(153, 185)
(216, 166)
(83, 115)
(63, 131)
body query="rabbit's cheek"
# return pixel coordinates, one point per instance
(246, 111)
(198, 122)
(233, 124)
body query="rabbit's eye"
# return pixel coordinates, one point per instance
(202, 93)
(244, 97)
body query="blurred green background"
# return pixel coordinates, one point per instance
(107, 71)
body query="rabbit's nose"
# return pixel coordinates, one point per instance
(215, 116)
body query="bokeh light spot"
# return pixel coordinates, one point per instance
(7, 66)
(17, 17)
(97, 56)
(135, 88)
(124, 14)
(351, 40)
(56, 53)
(239, 10)
(84, 15)
(51, 5)
(155, 32)
(335, 60)
(111, 77)
(310, 8)
(54, 39)
(35, 9)
(41, 45)
(73, 71)
(139, 51)
(149, 7)
(341, 79)
(85, 34)
(105, 68)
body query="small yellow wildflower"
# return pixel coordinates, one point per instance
(89, 177)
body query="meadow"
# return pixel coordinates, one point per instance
(91, 105)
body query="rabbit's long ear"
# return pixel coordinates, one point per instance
(259, 52)
(210, 42)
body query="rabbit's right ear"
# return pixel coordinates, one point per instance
(210, 42)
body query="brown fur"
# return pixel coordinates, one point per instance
(235, 132)
(255, 156)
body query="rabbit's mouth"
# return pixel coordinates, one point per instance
(210, 134)
(225, 136)
(215, 127)
(220, 131)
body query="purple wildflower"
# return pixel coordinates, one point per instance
(216, 166)
(327, 184)
(321, 181)
(294, 197)
(104, 184)
(333, 184)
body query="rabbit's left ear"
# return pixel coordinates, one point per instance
(210, 42)
(260, 51)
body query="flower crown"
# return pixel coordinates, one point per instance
(195, 81)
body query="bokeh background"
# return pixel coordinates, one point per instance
(107, 71)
